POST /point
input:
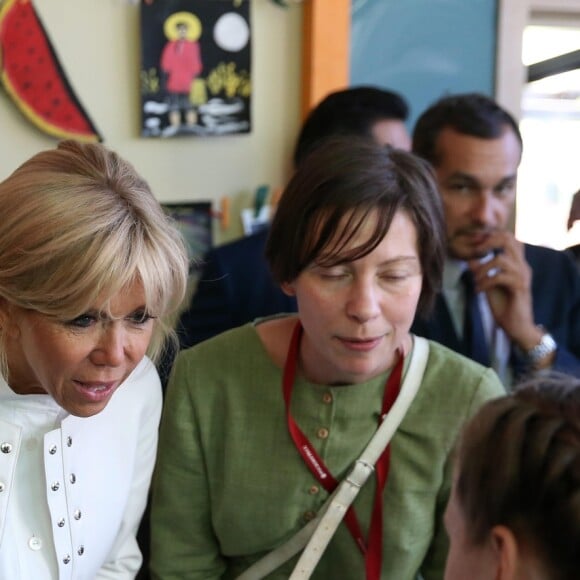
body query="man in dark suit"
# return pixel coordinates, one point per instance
(235, 286)
(527, 297)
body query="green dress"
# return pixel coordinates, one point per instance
(230, 485)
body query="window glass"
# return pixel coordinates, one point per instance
(550, 124)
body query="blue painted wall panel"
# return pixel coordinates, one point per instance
(424, 48)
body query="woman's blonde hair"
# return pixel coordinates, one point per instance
(79, 223)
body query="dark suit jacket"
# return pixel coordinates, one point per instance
(556, 304)
(234, 288)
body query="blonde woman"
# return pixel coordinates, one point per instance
(89, 268)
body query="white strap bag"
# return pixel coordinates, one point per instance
(317, 534)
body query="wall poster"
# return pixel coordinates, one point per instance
(195, 67)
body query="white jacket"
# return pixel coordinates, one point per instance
(98, 470)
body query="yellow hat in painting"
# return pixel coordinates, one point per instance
(180, 22)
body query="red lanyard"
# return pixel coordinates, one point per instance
(373, 550)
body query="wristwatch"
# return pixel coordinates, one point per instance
(546, 346)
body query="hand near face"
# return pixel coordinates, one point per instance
(506, 279)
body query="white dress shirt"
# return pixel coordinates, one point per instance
(72, 489)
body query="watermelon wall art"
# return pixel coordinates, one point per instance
(33, 77)
(195, 67)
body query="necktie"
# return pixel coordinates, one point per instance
(474, 341)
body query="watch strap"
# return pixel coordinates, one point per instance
(546, 346)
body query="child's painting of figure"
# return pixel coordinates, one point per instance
(180, 65)
(195, 68)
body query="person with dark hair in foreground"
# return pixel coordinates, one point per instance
(514, 512)
(358, 239)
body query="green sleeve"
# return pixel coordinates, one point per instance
(183, 544)
(433, 567)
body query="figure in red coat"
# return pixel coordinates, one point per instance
(181, 64)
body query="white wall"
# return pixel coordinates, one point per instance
(510, 72)
(97, 42)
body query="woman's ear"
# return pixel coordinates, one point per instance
(507, 554)
(288, 288)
